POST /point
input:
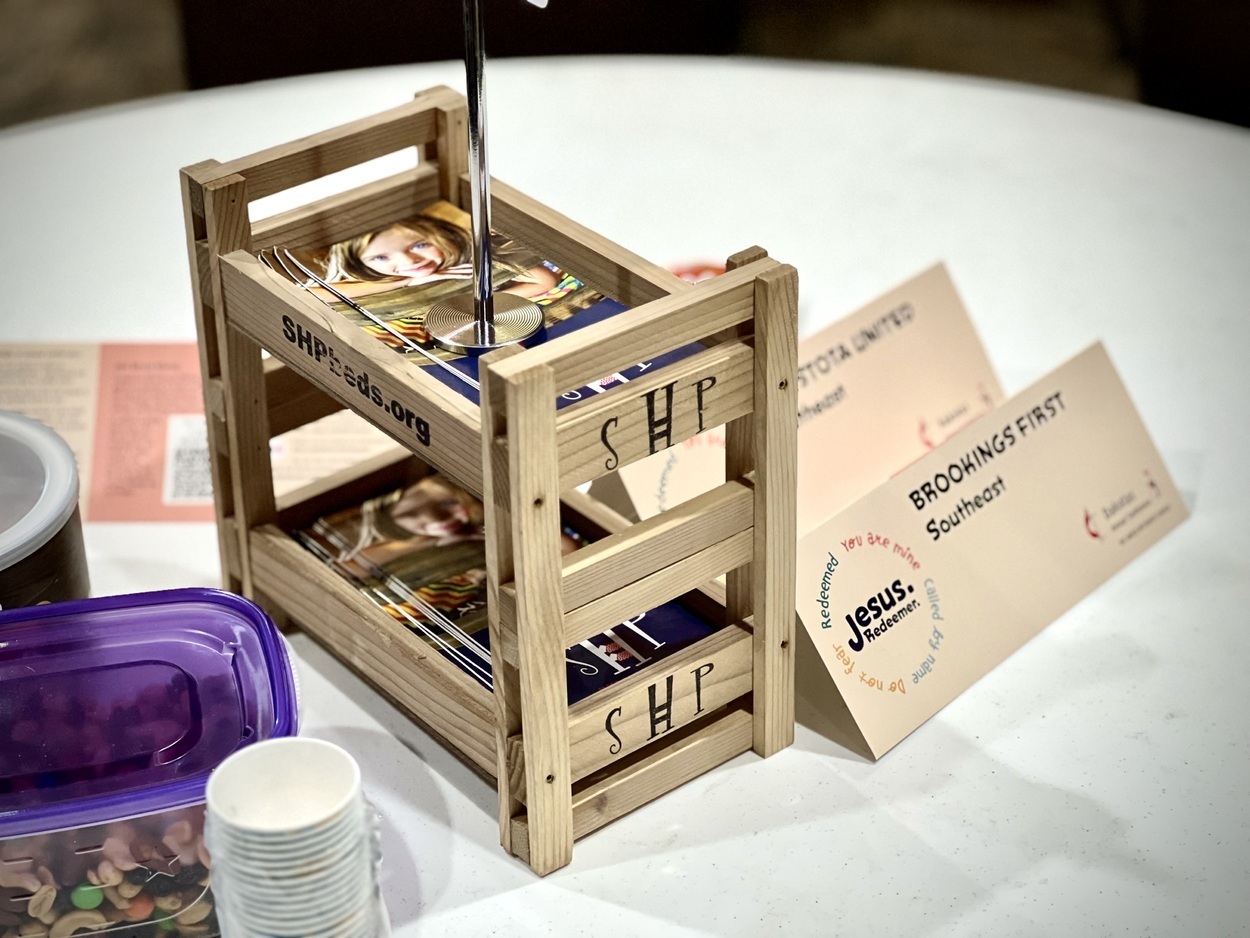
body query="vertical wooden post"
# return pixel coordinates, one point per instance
(500, 568)
(452, 151)
(776, 434)
(193, 179)
(766, 441)
(535, 500)
(533, 508)
(740, 460)
(242, 375)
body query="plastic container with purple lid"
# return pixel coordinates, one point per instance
(113, 712)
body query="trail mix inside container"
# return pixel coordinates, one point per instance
(113, 712)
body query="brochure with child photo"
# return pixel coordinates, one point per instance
(395, 274)
(419, 553)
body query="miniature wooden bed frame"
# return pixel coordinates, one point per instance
(561, 771)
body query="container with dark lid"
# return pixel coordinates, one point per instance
(113, 712)
(41, 550)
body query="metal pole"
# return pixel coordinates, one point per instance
(479, 173)
(474, 324)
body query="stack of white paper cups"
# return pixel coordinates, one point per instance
(294, 843)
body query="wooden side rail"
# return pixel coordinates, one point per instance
(765, 443)
(521, 498)
(540, 605)
(438, 423)
(686, 755)
(663, 584)
(715, 672)
(300, 161)
(635, 336)
(637, 419)
(364, 208)
(603, 264)
(293, 400)
(626, 557)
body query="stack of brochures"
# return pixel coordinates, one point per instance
(419, 553)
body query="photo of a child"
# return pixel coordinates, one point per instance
(374, 538)
(426, 540)
(400, 270)
(418, 251)
(418, 553)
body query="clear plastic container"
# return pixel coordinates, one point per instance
(113, 712)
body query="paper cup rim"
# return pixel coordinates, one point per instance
(222, 777)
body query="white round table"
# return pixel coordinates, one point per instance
(1094, 783)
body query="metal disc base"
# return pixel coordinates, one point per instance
(452, 323)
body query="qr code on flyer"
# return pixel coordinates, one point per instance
(188, 480)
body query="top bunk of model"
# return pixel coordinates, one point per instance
(336, 290)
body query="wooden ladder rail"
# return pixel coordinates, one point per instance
(526, 449)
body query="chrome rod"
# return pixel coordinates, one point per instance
(479, 173)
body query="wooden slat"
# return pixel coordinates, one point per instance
(639, 334)
(351, 486)
(247, 428)
(705, 677)
(377, 647)
(500, 567)
(661, 586)
(617, 722)
(217, 436)
(192, 180)
(215, 398)
(242, 376)
(602, 264)
(690, 579)
(740, 456)
(772, 572)
(338, 217)
(596, 519)
(260, 303)
(705, 599)
(451, 151)
(661, 409)
(534, 505)
(294, 401)
(685, 758)
(228, 538)
(504, 604)
(690, 755)
(191, 183)
(201, 261)
(654, 544)
(308, 158)
(592, 517)
(745, 256)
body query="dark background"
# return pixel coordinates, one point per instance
(61, 55)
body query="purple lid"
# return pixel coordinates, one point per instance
(122, 706)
